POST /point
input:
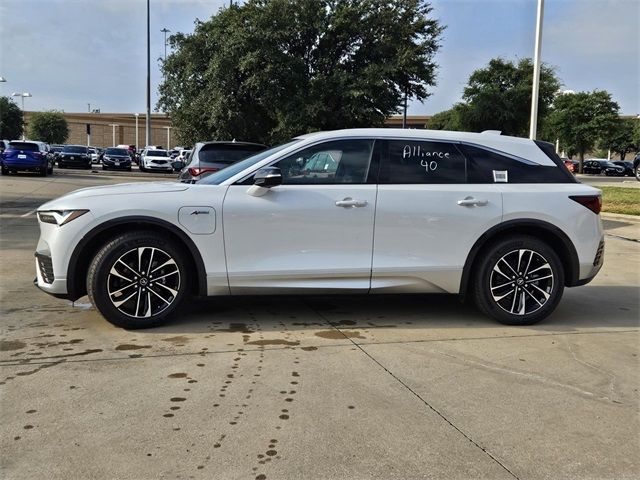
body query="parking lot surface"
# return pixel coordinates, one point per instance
(343, 387)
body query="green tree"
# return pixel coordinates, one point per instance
(50, 127)
(579, 120)
(451, 119)
(619, 139)
(10, 119)
(498, 97)
(270, 69)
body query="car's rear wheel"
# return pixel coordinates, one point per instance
(4, 170)
(519, 281)
(137, 279)
(43, 171)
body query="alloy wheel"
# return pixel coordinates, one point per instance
(521, 282)
(143, 282)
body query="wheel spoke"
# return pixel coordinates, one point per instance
(148, 312)
(138, 302)
(523, 307)
(546, 295)
(168, 262)
(520, 253)
(546, 265)
(497, 269)
(497, 299)
(150, 261)
(153, 291)
(165, 275)
(510, 267)
(541, 278)
(526, 270)
(515, 298)
(130, 268)
(140, 252)
(173, 292)
(500, 286)
(117, 304)
(121, 289)
(113, 271)
(532, 296)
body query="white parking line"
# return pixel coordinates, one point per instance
(28, 213)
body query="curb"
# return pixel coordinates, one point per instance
(620, 216)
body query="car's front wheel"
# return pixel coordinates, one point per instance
(137, 279)
(519, 281)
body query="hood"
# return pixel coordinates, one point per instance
(70, 200)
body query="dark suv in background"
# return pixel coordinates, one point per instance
(209, 157)
(74, 156)
(116, 159)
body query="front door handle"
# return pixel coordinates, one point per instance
(472, 202)
(351, 203)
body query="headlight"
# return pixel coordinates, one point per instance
(59, 217)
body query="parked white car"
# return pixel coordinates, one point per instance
(154, 159)
(493, 218)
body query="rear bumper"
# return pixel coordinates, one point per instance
(21, 165)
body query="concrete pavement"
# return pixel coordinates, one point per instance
(338, 387)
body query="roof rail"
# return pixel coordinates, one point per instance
(491, 132)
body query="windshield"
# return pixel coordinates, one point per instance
(226, 173)
(116, 151)
(74, 149)
(157, 153)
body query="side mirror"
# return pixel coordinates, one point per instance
(268, 177)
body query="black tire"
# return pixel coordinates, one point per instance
(638, 174)
(42, 171)
(50, 170)
(127, 247)
(4, 170)
(490, 287)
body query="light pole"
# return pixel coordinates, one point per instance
(23, 95)
(148, 122)
(168, 136)
(113, 133)
(137, 144)
(165, 31)
(533, 122)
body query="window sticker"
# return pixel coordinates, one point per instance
(500, 176)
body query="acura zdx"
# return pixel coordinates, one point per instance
(492, 218)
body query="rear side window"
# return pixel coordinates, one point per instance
(485, 166)
(227, 153)
(416, 162)
(24, 146)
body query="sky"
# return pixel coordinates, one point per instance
(72, 53)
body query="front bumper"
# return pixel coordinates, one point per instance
(45, 279)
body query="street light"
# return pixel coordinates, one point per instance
(168, 136)
(113, 132)
(533, 122)
(137, 144)
(23, 95)
(148, 121)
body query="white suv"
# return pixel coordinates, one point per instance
(493, 218)
(153, 159)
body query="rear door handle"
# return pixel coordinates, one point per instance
(349, 202)
(472, 202)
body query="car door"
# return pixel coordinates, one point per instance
(427, 217)
(313, 233)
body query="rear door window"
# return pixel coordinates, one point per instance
(422, 162)
(486, 166)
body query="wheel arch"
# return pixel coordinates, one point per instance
(545, 231)
(86, 249)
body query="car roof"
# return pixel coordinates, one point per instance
(516, 146)
(228, 142)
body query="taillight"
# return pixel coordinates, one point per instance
(197, 171)
(592, 202)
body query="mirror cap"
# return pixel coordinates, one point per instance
(268, 177)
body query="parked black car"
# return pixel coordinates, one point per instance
(598, 167)
(636, 166)
(209, 157)
(74, 156)
(116, 159)
(628, 167)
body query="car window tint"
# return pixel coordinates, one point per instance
(415, 162)
(485, 166)
(340, 161)
(24, 146)
(227, 153)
